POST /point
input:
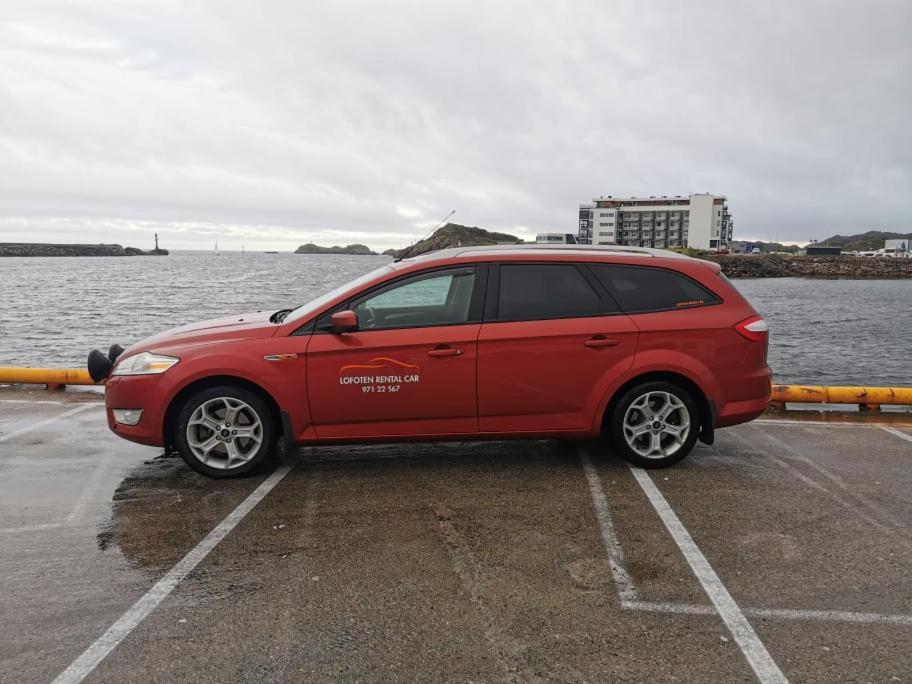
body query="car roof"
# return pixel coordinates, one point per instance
(485, 252)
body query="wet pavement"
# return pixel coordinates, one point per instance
(505, 561)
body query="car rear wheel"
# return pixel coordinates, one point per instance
(654, 424)
(226, 431)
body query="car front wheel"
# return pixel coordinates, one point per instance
(654, 424)
(225, 431)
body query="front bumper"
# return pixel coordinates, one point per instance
(138, 392)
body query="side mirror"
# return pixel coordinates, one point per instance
(344, 321)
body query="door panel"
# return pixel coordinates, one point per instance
(549, 375)
(375, 383)
(552, 342)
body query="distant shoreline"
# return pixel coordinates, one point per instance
(49, 249)
(735, 266)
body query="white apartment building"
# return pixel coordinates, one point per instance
(701, 221)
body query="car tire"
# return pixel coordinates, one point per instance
(226, 431)
(654, 424)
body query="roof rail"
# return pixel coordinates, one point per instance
(541, 246)
(615, 249)
(571, 247)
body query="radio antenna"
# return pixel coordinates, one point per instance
(409, 249)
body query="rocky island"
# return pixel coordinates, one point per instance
(37, 249)
(357, 249)
(455, 235)
(449, 235)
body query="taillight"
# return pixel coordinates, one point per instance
(754, 329)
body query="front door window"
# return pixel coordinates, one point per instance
(438, 299)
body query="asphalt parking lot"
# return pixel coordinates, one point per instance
(781, 552)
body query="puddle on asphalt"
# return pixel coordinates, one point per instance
(162, 509)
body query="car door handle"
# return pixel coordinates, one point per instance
(601, 341)
(444, 351)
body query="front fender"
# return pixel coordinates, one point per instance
(284, 380)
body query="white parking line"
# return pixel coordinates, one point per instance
(776, 613)
(855, 501)
(116, 633)
(47, 421)
(812, 423)
(629, 594)
(894, 431)
(88, 490)
(32, 401)
(830, 615)
(622, 580)
(31, 528)
(469, 573)
(754, 651)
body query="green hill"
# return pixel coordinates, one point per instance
(455, 235)
(873, 239)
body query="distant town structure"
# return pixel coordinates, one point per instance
(556, 238)
(701, 221)
(897, 248)
(901, 247)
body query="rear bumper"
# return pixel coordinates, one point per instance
(741, 412)
(137, 392)
(751, 401)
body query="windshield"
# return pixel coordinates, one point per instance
(315, 305)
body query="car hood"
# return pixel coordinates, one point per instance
(244, 326)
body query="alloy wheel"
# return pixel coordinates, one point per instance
(656, 425)
(224, 433)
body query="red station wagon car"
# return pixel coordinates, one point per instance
(650, 349)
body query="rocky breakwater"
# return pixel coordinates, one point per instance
(835, 267)
(34, 249)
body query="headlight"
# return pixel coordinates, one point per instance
(144, 363)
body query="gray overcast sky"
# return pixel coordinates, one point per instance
(274, 123)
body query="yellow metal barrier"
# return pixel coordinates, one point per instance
(52, 377)
(868, 398)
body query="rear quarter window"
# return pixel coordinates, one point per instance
(641, 289)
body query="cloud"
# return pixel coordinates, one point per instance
(282, 122)
(409, 212)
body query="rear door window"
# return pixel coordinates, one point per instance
(530, 292)
(641, 289)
